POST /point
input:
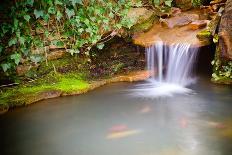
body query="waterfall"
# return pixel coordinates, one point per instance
(171, 69)
(171, 64)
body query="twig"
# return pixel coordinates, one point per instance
(7, 85)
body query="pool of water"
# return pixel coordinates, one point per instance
(110, 121)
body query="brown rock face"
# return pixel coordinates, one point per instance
(225, 32)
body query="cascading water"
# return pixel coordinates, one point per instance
(173, 64)
(170, 68)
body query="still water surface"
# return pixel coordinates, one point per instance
(109, 121)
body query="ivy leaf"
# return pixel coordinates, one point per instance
(74, 2)
(168, 3)
(13, 41)
(22, 40)
(38, 13)
(57, 2)
(100, 46)
(59, 15)
(52, 10)
(30, 2)
(69, 12)
(35, 58)
(16, 57)
(46, 17)
(5, 66)
(156, 2)
(111, 15)
(27, 17)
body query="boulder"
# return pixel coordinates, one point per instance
(225, 32)
(142, 19)
(179, 20)
(199, 24)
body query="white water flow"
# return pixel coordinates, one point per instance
(171, 69)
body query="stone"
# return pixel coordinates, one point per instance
(175, 11)
(199, 24)
(142, 19)
(216, 7)
(225, 32)
(179, 20)
(56, 55)
(139, 15)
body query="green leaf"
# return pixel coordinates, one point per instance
(168, 3)
(30, 2)
(100, 46)
(156, 2)
(38, 13)
(35, 58)
(16, 57)
(46, 17)
(111, 15)
(22, 40)
(27, 17)
(69, 12)
(52, 10)
(74, 2)
(12, 41)
(58, 2)
(5, 66)
(59, 15)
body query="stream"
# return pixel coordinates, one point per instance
(109, 121)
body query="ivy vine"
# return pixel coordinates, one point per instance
(75, 25)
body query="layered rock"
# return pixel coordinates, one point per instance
(225, 32)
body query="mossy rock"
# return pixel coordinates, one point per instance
(204, 35)
(142, 18)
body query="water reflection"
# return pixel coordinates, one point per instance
(108, 121)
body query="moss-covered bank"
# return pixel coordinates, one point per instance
(72, 75)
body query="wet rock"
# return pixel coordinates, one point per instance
(204, 35)
(179, 20)
(199, 24)
(216, 7)
(225, 32)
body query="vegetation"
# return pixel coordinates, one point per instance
(76, 25)
(222, 70)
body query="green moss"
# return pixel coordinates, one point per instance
(204, 34)
(27, 93)
(144, 26)
(222, 69)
